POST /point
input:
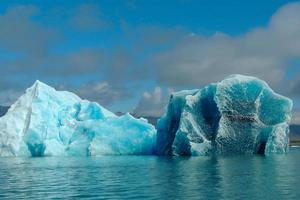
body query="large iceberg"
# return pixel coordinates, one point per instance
(46, 122)
(240, 114)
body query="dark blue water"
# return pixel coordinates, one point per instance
(150, 177)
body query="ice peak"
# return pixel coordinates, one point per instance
(38, 88)
(39, 84)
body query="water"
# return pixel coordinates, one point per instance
(150, 177)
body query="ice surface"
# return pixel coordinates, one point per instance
(46, 122)
(240, 114)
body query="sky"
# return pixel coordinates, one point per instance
(129, 56)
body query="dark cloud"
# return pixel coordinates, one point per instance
(9, 96)
(31, 43)
(102, 92)
(89, 17)
(26, 39)
(294, 87)
(132, 59)
(81, 62)
(21, 34)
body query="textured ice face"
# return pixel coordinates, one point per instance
(46, 122)
(240, 114)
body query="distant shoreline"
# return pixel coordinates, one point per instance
(295, 143)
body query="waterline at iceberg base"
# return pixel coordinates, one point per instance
(240, 114)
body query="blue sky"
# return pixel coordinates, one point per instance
(129, 55)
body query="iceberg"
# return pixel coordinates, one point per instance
(46, 122)
(239, 115)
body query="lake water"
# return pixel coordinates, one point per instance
(151, 177)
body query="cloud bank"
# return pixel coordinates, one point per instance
(153, 103)
(263, 52)
(104, 70)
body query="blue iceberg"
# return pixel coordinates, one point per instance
(240, 114)
(46, 122)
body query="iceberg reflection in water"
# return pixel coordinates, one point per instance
(152, 177)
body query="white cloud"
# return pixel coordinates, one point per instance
(198, 60)
(172, 56)
(263, 52)
(152, 104)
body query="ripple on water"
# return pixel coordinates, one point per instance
(150, 177)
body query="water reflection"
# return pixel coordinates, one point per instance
(150, 177)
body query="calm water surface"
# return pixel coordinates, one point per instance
(150, 177)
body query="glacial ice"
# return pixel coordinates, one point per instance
(240, 114)
(46, 122)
